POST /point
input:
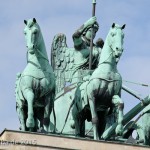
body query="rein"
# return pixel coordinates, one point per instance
(42, 56)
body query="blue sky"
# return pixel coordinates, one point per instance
(66, 16)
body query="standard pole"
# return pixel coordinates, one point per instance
(91, 43)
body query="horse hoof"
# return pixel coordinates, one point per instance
(22, 128)
(30, 123)
(119, 130)
(43, 131)
(72, 124)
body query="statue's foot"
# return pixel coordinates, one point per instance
(30, 123)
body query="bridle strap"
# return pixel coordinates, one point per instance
(42, 55)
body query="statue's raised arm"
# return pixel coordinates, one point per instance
(83, 34)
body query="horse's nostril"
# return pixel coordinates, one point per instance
(117, 48)
(33, 46)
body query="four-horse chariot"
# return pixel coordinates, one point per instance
(86, 101)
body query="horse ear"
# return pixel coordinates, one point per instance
(123, 26)
(34, 20)
(113, 25)
(25, 21)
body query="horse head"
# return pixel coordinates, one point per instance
(115, 40)
(32, 34)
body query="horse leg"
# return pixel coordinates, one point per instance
(37, 114)
(91, 100)
(81, 126)
(117, 101)
(146, 124)
(77, 126)
(78, 122)
(74, 120)
(29, 96)
(49, 104)
(94, 118)
(21, 116)
(140, 131)
(71, 119)
(101, 122)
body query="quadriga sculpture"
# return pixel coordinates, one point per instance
(102, 92)
(35, 86)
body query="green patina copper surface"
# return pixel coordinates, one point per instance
(35, 86)
(102, 91)
(87, 95)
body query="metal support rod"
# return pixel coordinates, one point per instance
(91, 42)
(131, 92)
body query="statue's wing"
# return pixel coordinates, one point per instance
(61, 61)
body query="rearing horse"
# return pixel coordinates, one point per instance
(102, 91)
(35, 86)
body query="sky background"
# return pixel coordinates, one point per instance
(65, 16)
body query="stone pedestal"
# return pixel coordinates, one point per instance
(17, 140)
